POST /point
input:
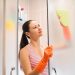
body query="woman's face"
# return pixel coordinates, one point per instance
(35, 30)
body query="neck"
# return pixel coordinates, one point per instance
(35, 43)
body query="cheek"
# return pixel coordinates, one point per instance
(34, 33)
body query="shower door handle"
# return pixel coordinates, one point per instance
(12, 69)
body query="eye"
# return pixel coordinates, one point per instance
(34, 27)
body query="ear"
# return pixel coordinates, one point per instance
(27, 34)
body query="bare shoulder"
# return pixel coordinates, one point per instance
(24, 60)
(24, 51)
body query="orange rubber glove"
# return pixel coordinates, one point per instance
(42, 64)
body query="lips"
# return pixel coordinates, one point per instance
(40, 31)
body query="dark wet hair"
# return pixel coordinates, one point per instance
(25, 28)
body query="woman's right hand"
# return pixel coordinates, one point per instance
(48, 52)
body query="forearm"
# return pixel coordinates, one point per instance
(38, 69)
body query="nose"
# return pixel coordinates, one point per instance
(39, 28)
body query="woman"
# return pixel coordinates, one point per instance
(32, 60)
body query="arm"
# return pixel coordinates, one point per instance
(25, 62)
(24, 59)
(42, 64)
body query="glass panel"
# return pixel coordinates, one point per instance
(1, 37)
(11, 37)
(62, 34)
